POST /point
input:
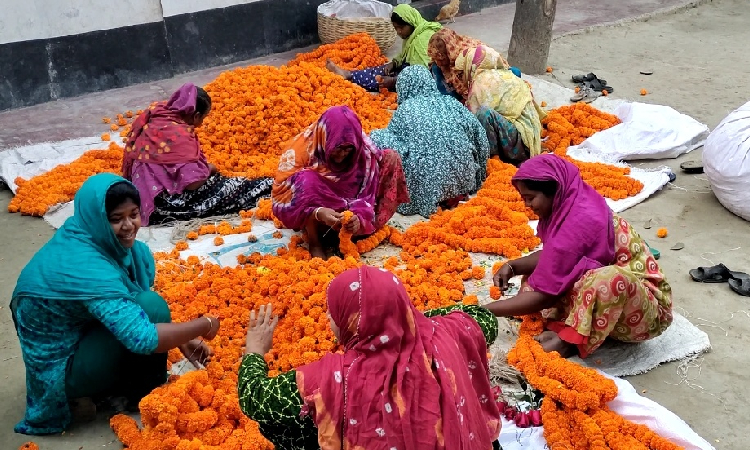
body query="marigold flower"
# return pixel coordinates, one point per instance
(218, 240)
(29, 446)
(662, 232)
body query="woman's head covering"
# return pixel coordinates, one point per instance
(579, 234)
(444, 48)
(161, 137)
(307, 179)
(404, 381)
(160, 134)
(415, 81)
(184, 99)
(84, 260)
(414, 48)
(472, 62)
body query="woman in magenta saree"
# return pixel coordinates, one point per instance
(332, 167)
(164, 160)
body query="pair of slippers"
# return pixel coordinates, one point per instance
(739, 282)
(592, 82)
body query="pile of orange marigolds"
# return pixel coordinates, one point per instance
(255, 110)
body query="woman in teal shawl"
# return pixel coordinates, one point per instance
(416, 33)
(443, 147)
(88, 323)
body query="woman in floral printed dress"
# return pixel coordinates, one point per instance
(443, 147)
(595, 277)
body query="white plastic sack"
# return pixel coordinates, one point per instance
(356, 9)
(726, 161)
(646, 132)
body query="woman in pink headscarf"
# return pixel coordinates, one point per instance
(164, 160)
(332, 167)
(404, 379)
(595, 278)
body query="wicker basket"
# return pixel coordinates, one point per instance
(331, 29)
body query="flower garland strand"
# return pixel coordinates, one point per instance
(346, 246)
(574, 409)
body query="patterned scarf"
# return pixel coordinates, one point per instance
(445, 47)
(161, 136)
(307, 178)
(404, 381)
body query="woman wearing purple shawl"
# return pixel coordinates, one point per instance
(595, 278)
(332, 167)
(164, 160)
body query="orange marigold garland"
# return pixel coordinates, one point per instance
(495, 221)
(571, 125)
(367, 244)
(346, 246)
(574, 409)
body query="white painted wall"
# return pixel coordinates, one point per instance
(23, 20)
(175, 7)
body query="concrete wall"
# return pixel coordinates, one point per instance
(50, 49)
(25, 20)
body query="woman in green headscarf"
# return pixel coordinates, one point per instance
(416, 33)
(88, 323)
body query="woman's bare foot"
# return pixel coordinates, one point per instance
(338, 70)
(551, 342)
(317, 251)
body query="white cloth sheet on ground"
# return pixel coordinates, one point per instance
(32, 160)
(646, 132)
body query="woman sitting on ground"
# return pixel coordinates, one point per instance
(332, 167)
(164, 160)
(416, 33)
(595, 278)
(445, 47)
(404, 380)
(503, 104)
(88, 322)
(442, 145)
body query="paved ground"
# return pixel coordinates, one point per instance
(699, 59)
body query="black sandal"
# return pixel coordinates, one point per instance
(740, 285)
(598, 85)
(716, 274)
(581, 78)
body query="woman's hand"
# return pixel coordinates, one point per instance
(260, 330)
(213, 169)
(197, 352)
(387, 83)
(352, 226)
(215, 325)
(388, 69)
(502, 277)
(328, 216)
